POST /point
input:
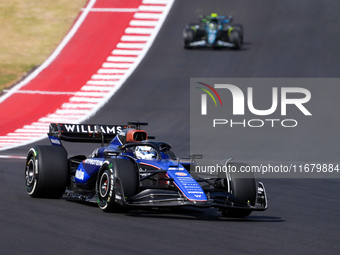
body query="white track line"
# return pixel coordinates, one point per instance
(151, 8)
(111, 71)
(105, 76)
(102, 82)
(12, 157)
(143, 23)
(120, 59)
(155, 1)
(141, 15)
(77, 106)
(126, 52)
(131, 45)
(108, 64)
(132, 38)
(138, 30)
(85, 99)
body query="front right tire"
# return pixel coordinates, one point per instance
(235, 38)
(239, 27)
(243, 187)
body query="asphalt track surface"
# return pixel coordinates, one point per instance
(295, 39)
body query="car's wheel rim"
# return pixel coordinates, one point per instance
(30, 172)
(30, 175)
(104, 185)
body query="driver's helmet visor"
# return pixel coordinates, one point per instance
(145, 152)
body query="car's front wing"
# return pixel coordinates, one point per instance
(218, 199)
(203, 43)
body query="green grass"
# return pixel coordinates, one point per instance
(30, 31)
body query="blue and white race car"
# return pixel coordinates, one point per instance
(213, 31)
(132, 172)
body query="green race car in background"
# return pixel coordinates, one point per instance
(213, 31)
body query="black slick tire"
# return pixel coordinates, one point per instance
(46, 171)
(117, 180)
(235, 39)
(243, 187)
(188, 37)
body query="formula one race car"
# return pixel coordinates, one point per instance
(213, 31)
(132, 172)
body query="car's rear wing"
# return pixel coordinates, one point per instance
(83, 133)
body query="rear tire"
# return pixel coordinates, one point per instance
(46, 172)
(243, 187)
(117, 180)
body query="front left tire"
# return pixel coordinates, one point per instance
(117, 180)
(188, 37)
